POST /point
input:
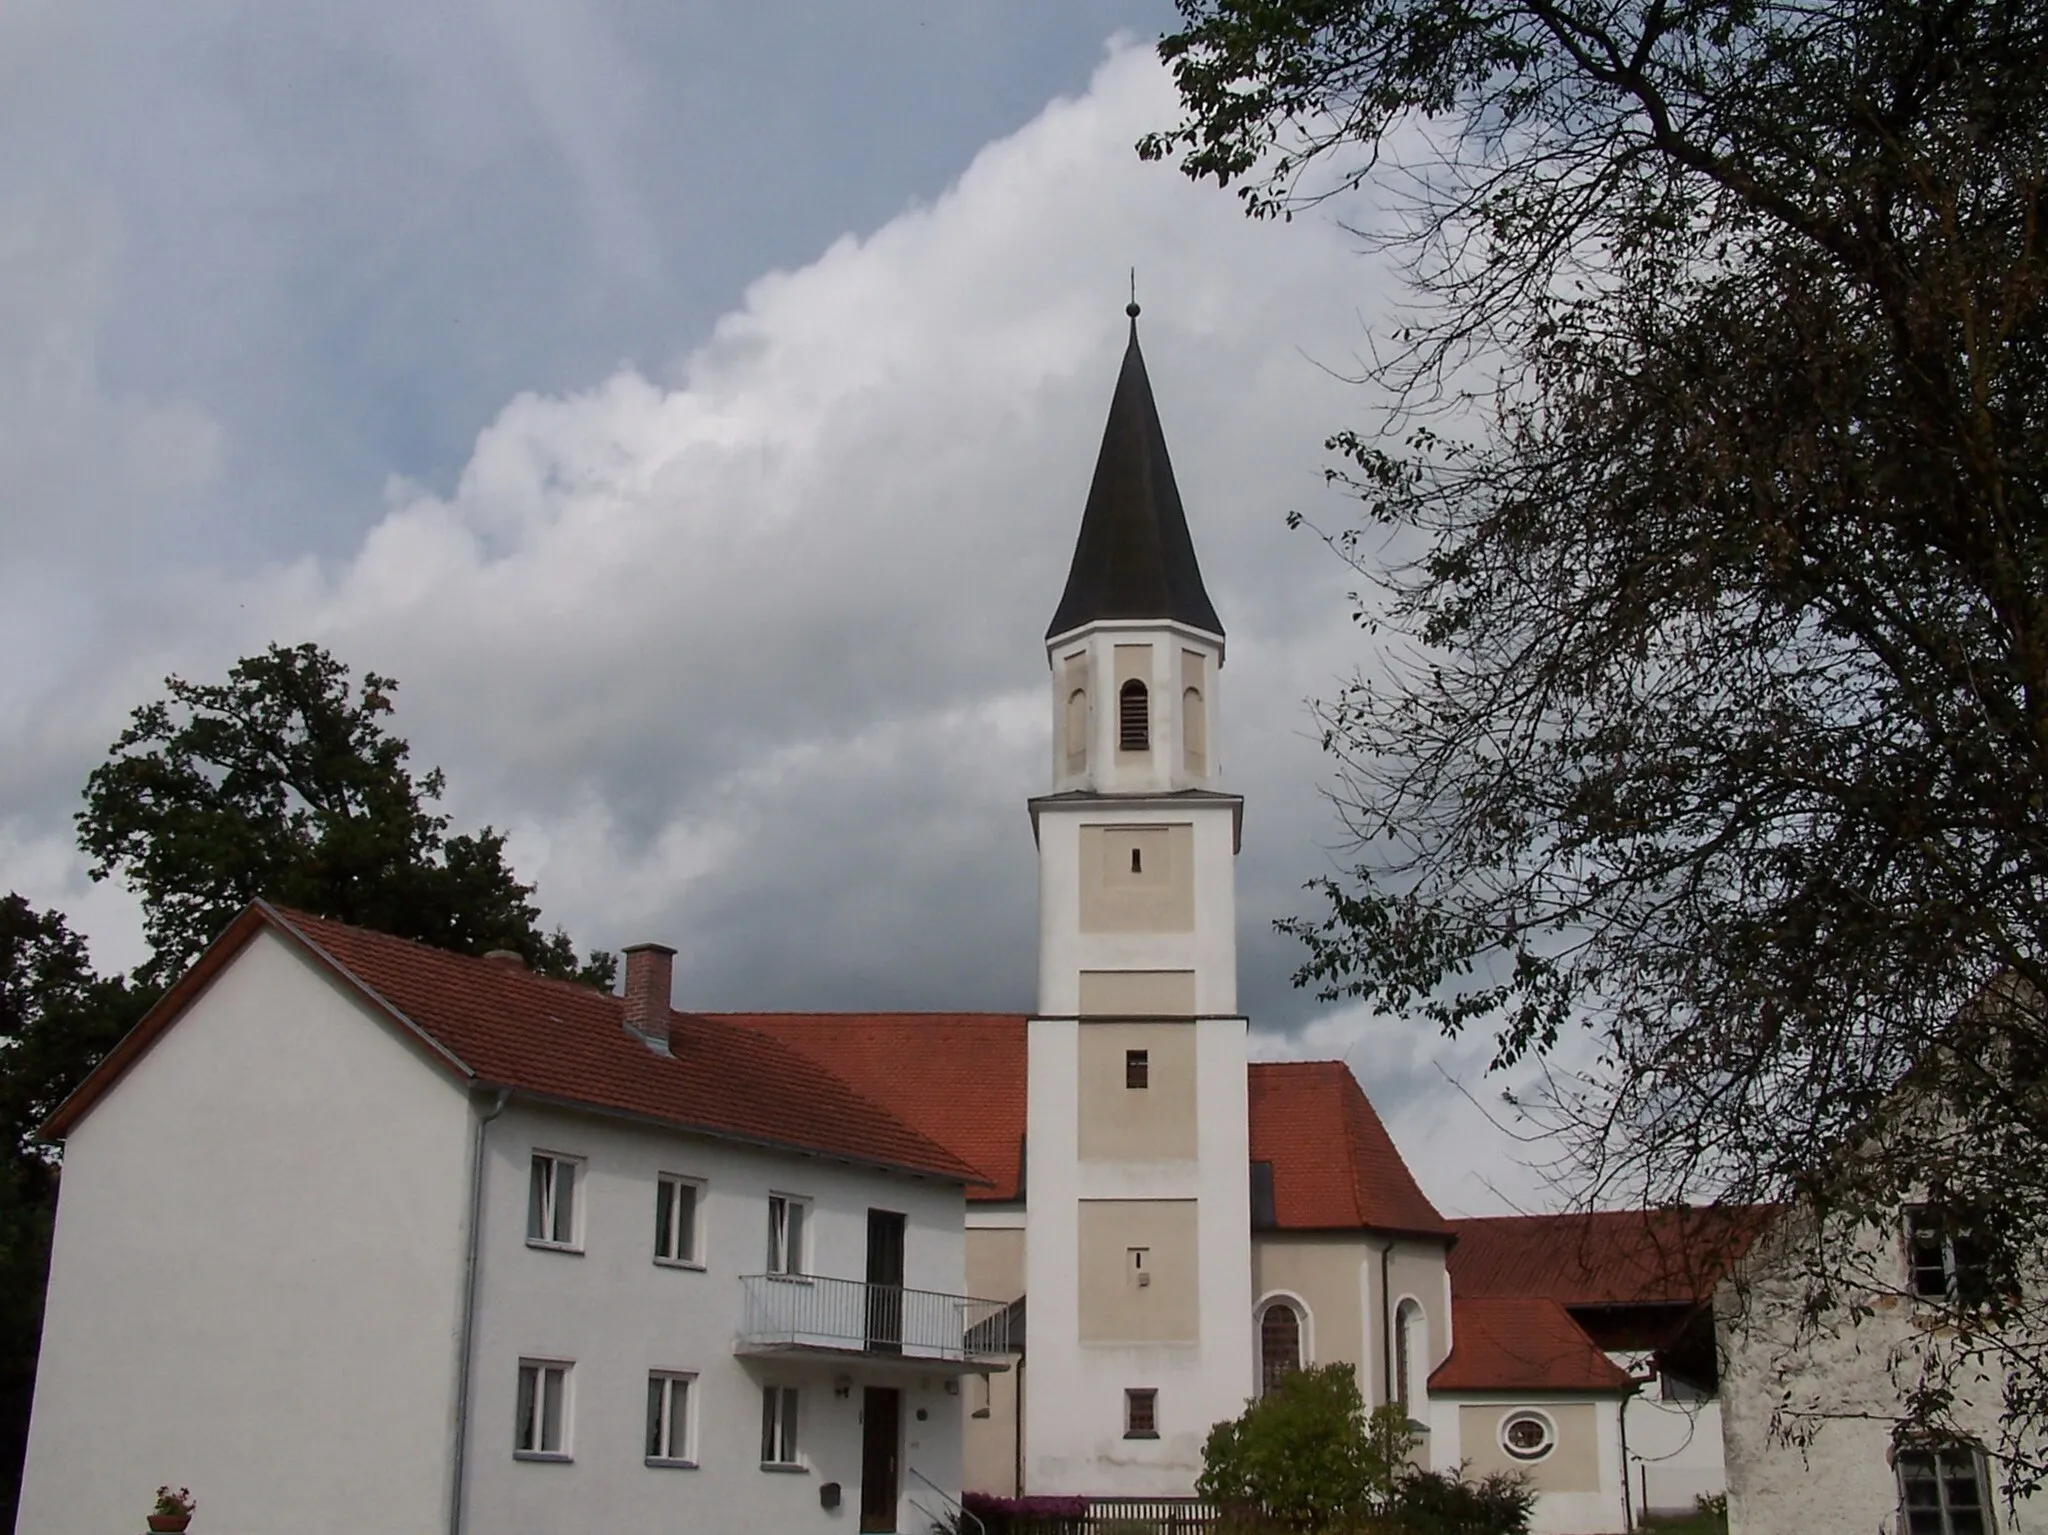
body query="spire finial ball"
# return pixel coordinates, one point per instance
(1131, 309)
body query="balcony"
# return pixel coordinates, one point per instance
(883, 1324)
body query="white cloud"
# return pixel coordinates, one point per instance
(749, 659)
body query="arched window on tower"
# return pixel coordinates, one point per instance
(1279, 1344)
(1077, 730)
(1410, 1350)
(1194, 731)
(1133, 718)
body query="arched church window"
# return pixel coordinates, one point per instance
(1194, 731)
(1409, 1351)
(1279, 1344)
(1133, 718)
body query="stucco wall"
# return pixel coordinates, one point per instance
(1825, 1468)
(1325, 1273)
(1580, 1487)
(256, 1277)
(1155, 1122)
(617, 1314)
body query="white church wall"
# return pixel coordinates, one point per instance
(1674, 1452)
(256, 1277)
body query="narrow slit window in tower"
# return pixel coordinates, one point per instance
(1137, 1069)
(1133, 718)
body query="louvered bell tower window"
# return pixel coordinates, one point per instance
(1133, 718)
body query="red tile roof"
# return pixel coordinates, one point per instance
(500, 1026)
(1334, 1165)
(1602, 1258)
(958, 1077)
(1529, 1343)
(934, 1092)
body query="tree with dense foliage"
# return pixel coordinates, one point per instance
(57, 1018)
(282, 784)
(1710, 713)
(1305, 1456)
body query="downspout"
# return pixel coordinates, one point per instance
(1628, 1507)
(1386, 1328)
(1019, 1471)
(1628, 1510)
(466, 1343)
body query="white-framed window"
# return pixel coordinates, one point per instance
(779, 1405)
(541, 1430)
(1279, 1344)
(788, 1220)
(1141, 1413)
(551, 1202)
(1528, 1435)
(1944, 1260)
(671, 1418)
(678, 1214)
(1411, 1353)
(1943, 1490)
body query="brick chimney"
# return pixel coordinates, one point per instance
(650, 972)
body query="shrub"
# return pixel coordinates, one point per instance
(1027, 1516)
(1305, 1457)
(1444, 1503)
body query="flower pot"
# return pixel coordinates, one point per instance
(169, 1521)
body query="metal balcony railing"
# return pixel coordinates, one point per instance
(850, 1316)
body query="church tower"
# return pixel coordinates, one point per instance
(1139, 1251)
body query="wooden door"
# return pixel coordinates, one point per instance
(881, 1432)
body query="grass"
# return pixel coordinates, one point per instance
(1689, 1524)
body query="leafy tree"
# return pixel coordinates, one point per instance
(57, 1019)
(1305, 1456)
(1710, 713)
(281, 783)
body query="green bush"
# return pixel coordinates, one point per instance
(1305, 1456)
(1444, 1503)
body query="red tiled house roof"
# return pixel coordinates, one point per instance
(498, 1026)
(1525, 1343)
(1602, 1258)
(958, 1077)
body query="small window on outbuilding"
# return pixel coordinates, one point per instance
(1133, 717)
(1943, 1489)
(1944, 1258)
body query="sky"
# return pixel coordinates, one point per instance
(692, 406)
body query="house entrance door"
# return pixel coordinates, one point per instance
(881, 1431)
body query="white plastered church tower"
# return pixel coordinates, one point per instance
(1139, 1256)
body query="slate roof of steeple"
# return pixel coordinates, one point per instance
(1134, 558)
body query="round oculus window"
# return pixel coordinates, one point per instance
(1528, 1435)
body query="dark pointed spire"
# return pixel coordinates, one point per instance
(1134, 558)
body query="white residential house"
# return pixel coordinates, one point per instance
(357, 1234)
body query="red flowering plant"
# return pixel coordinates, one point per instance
(178, 1502)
